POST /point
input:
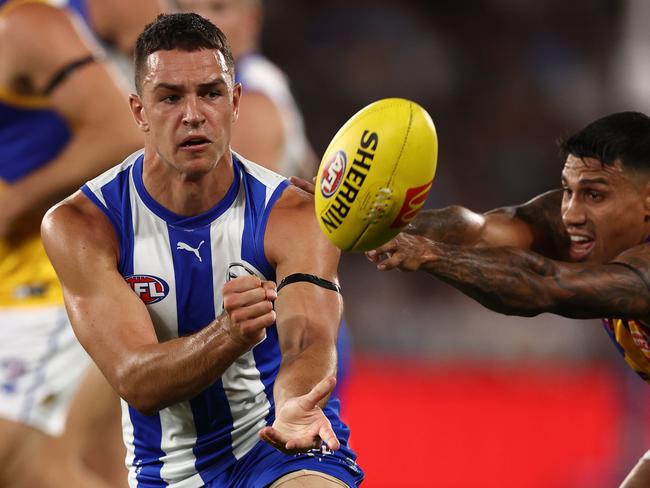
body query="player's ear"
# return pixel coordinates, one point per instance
(139, 113)
(236, 97)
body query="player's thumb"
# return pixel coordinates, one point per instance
(322, 389)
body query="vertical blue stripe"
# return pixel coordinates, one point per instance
(147, 430)
(267, 354)
(195, 308)
(256, 216)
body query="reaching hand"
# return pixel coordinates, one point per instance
(300, 424)
(407, 252)
(303, 184)
(248, 301)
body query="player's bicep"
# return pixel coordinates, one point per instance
(108, 318)
(309, 309)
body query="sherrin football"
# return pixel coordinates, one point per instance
(376, 174)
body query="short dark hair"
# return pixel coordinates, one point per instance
(623, 135)
(184, 31)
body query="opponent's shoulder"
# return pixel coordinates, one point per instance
(541, 217)
(77, 225)
(37, 20)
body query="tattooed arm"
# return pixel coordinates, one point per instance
(534, 225)
(520, 282)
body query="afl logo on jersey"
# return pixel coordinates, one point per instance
(150, 289)
(333, 174)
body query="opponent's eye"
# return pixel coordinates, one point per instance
(594, 195)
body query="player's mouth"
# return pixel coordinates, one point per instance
(194, 143)
(581, 247)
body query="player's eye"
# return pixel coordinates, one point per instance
(213, 94)
(171, 98)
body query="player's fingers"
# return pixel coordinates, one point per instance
(318, 392)
(241, 283)
(303, 444)
(257, 323)
(232, 301)
(273, 437)
(329, 437)
(251, 311)
(271, 289)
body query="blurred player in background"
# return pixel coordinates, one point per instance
(63, 119)
(197, 354)
(270, 128)
(579, 252)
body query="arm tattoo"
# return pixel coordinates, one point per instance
(454, 225)
(517, 282)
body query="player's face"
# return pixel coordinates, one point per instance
(604, 209)
(187, 108)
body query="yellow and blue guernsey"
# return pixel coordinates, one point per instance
(631, 338)
(31, 134)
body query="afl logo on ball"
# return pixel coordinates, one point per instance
(333, 173)
(149, 288)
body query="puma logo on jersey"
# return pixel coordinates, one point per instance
(183, 246)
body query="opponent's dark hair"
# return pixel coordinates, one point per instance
(184, 31)
(622, 135)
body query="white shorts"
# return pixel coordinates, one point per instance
(41, 366)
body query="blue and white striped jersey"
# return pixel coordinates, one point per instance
(178, 265)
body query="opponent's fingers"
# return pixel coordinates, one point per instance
(323, 388)
(390, 261)
(303, 184)
(389, 247)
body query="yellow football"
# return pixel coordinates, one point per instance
(376, 174)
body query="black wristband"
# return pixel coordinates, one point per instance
(296, 277)
(64, 72)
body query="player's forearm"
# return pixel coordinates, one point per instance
(454, 225)
(302, 369)
(517, 282)
(157, 376)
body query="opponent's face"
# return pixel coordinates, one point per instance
(187, 108)
(238, 19)
(604, 209)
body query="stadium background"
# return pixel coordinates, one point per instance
(443, 392)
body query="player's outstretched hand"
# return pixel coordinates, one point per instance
(305, 185)
(248, 301)
(407, 252)
(300, 424)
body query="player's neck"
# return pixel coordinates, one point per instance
(183, 193)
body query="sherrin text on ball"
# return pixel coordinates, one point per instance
(376, 174)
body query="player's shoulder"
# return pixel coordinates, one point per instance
(76, 221)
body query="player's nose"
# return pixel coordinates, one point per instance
(192, 114)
